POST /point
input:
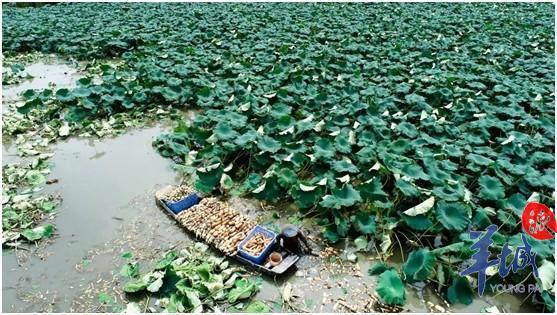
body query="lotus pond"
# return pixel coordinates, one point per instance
(386, 130)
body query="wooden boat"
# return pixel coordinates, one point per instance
(289, 259)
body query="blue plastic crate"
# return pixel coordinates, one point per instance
(181, 205)
(266, 251)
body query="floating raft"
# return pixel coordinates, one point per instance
(220, 226)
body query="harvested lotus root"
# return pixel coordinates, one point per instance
(256, 244)
(217, 224)
(177, 193)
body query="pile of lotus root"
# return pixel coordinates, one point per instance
(217, 224)
(176, 194)
(256, 244)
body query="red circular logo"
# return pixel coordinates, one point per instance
(537, 220)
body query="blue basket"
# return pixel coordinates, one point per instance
(265, 252)
(181, 205)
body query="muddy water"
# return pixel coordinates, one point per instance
(9, 153)
(44, 75)
(97, 181)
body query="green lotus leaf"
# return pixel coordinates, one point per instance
(514, 169)
(119, 94)
(449, 193)
(481, 218)
(373, 190)
(460, 291)
(235, 120)
(85, 81)
(453, 216)
(453, 151)
(268, 144)
(208, 178)
(287, 177)
(419, 265)
(342, 225)
(418, 222)
(323, 148)
(280, 110)
(245, 138)
(414, 99)
(430, 140)
(503, 175)
(126, 103)
(192, 299)
(87, 102)
(407, 188)
(478, 159)
(437, 175)
(243, 289)
(258, 307)
(344, 166)
(29, 106)
(204, 93)
(81, 91)
(35, 177)
(130, 270)
(549, 300)
(342, 143)
(491, 188)
(408, 129)
(136, 285)
(538, 179)
(47, 206)
(414, 171)
(366, 154)
(390, 288)
(173, 81)
(506, 218)
(364, 223)
(400, 146)
(330, 235)
(38, 233)
(517, 203)
(223, 131)
(343, 197)
(252, 182)
(305, 199)
(271, 190)
(64, 95)
(378, 268)
(77, 114)
(171, 93)
(139, 97)
(29, 94)
(166, 260)
(542, 158)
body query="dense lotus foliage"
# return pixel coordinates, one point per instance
(393, 122)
